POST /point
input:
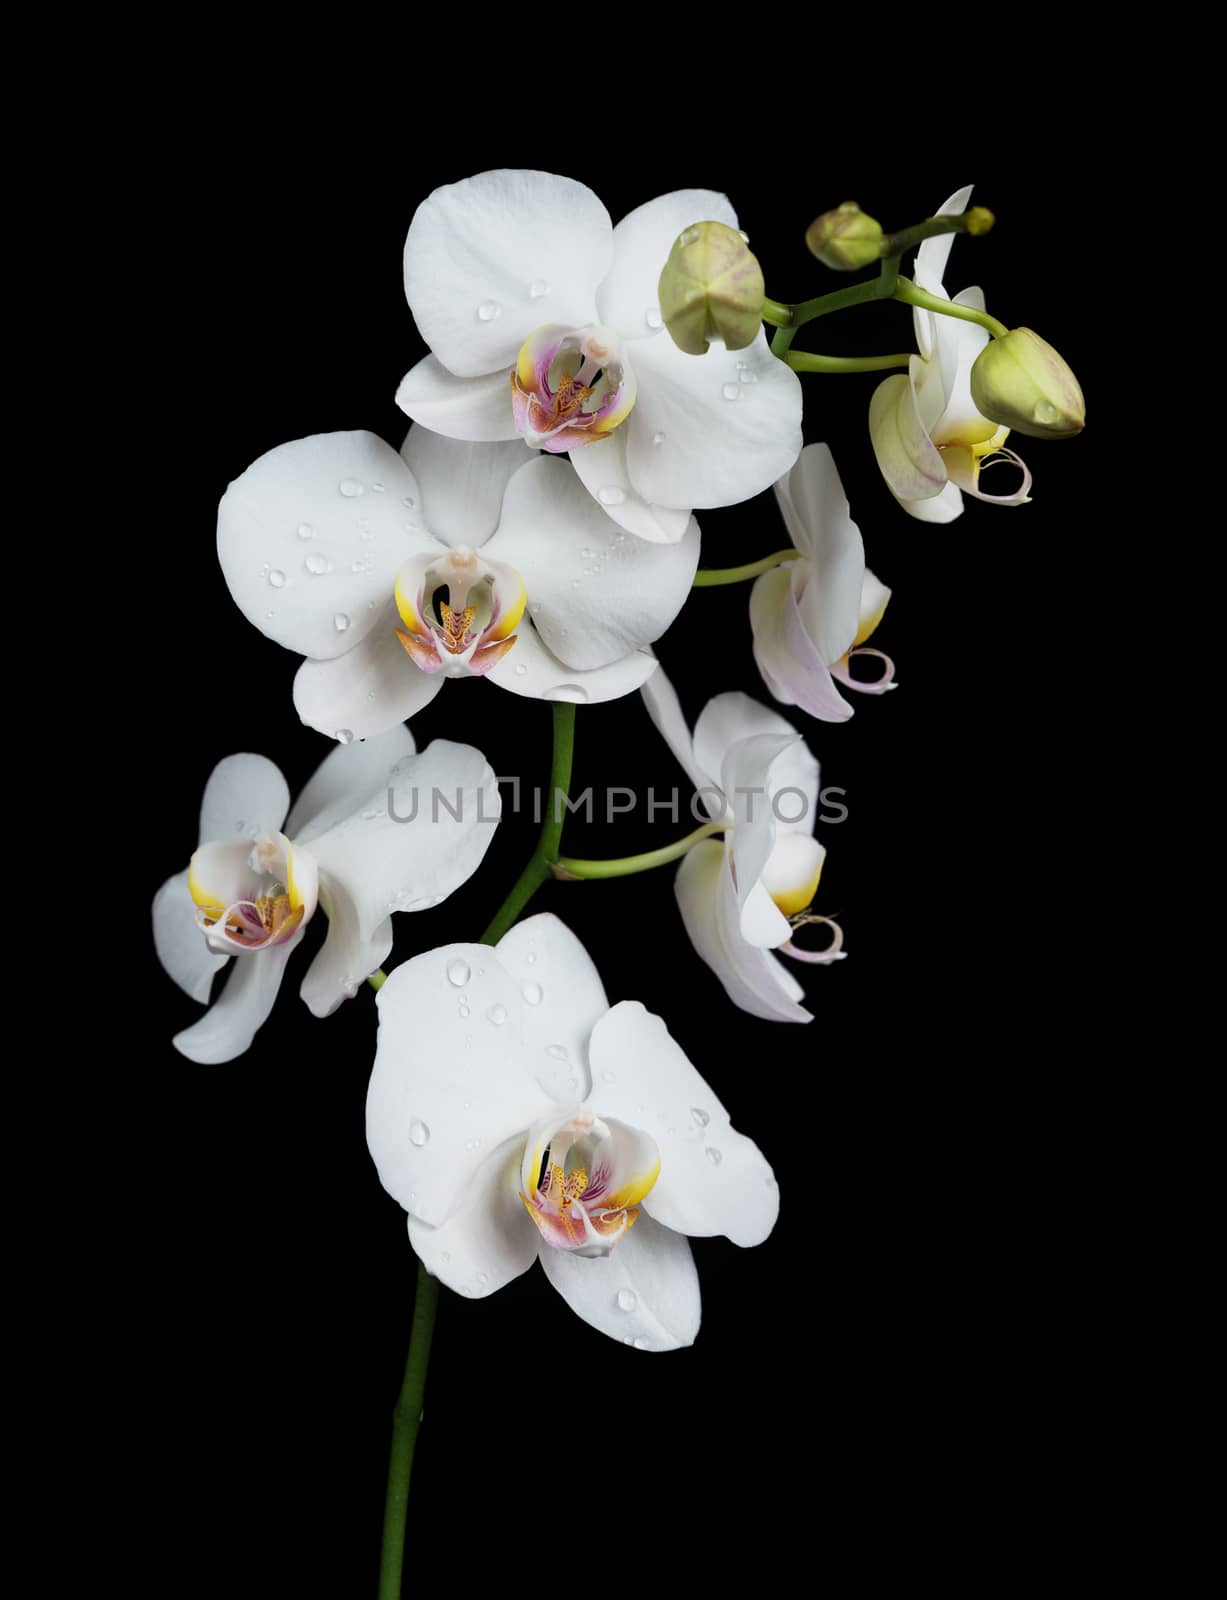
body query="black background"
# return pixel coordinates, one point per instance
(868, 1385)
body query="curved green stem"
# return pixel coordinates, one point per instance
(406, 1419)
(978, 220)
(907, 291)
(808, 361)
(777, 313)
(879, 288)
(712, 577)
(624, 866)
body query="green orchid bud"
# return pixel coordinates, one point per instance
(711, 288)
(1021, 381)
(845, 239)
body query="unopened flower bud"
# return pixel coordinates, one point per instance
(1021, 381)
(845, 239)
(711, 288)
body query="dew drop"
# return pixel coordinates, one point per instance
(538, 288)
(745, 237)
(371, 816)
(690, 236)
(627, 1299)
(700, 1116)
(521, 669)
(653, 317)
(531, 958)
(276, 579)
(713, 1155)
(642, 1344)
(558, 1051)
(377, 487)
(458, 973)
(306, 531)
(497, 1015)
(340, 622)
(345, 736)
(533, 993)
(488, 310)
(572, 692)
(658, 439)
(351, 488)
(628, 1340)
(611, 495)
(446, 1256)
(317, 564)
(483, 1278)
(731, 391)
(409, 501)
(1046, 412)
(418, 1133)
(462, 1011)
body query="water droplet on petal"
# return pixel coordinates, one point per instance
(558, 1051)
(531, 958)
(748, 375)
(658, 438)
(691, 236)
(445, 1256)
(306, 531)
(521, 669)
(642, 1344)
(462, 1011)
(611, 495)
(533, 993)
(483, 1278)
(653, 317)
(700, 1116)
(628, 1340)
(377, 487)
(409, 501)
(458, 973)
(418, 1133)
(572, 692)
(497, 1015)
(713, 1155)
(276, 579)
(745, 237)
(351, 488)
(345, 736)
(371, 816)
(731, 391)
(538, 288)
(627, 1299)
(488, 310)
(317, 564)
(340, 622)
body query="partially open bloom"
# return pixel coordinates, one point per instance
(378, 829)
(747, 894)
(811, 616)
(517, 1117)
(393, 572)
(544, 321)
(931, 442)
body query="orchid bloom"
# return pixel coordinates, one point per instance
(811, 616)
(393, 572)
(517, 1117)
(378, 829)
(543, 321)
(930, 441)
(745, 895)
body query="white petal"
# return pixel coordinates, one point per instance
(730, 420)
(489, 259)
(959, 345)
(602, 470)
(831, 594)
(415, 841)
(347, 956)
(753, 978)
(246, 795)
(728, 718)
(462, 484)
(792, 669)
(489, 1239)
(665, 710)
(563, 1001)
(594, 595)
(179, 942)
(366, 692)
(307, 540)
(650, 1269)
(232, 1022)
(629, 300)
(907, 457)
(447, 1088)
(712, 1179)
(529, 669)
(930, 268)
(346, 776)
(745, 779)
(462, 408)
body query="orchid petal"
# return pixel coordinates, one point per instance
(791, 667)
(712, 1178)
(488, 1240)
(179, 942)
(232, 1022)
(489, 259)
(907, 457)
(349, 774)
(601, 468)
(628, 298)
(311, 535)
(959, 345)
(434, 1113)
(930, 268)
(645, 1292)
(665, 710)
(940, 508)
(830, 595)
(594, 594)
(711, 430)
(246, 795)
(478, 409)
(366, 692)
(563, 1001)
(347, 956)
(531, 670)
(462, 484)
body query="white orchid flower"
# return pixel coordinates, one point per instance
(744, 896)
(810, 616)
(377, 829)
(930, 441)
(543, 321)
(517, 1117)
(393, 572)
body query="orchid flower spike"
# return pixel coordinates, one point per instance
(378, 829)
(393, 572)
(517, 1117)
(749, 893)
(811, 616)
(930, 440)
(543, 322)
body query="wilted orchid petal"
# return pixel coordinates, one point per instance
(517, 278)
(513, 1115)
(545, 596)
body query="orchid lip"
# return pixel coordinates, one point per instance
(459, 611)
(581, 1180)
(570, 387)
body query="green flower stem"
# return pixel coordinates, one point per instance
(408, 1411)
(712, 577)
(406, 1419)
(856, 294)
(976, 221)
(907, 291)
(624, 866)
(777, 313)
(807, 361)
